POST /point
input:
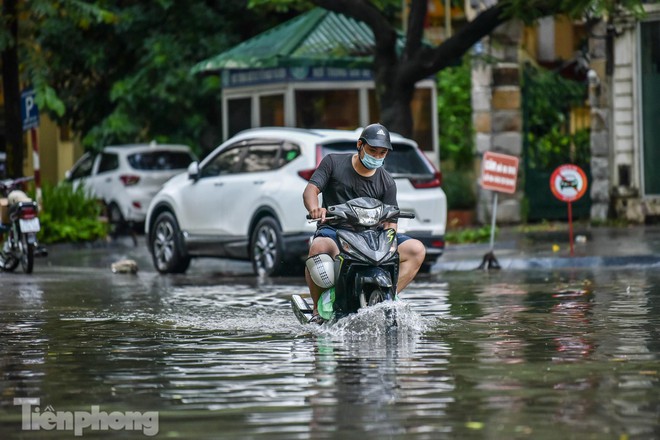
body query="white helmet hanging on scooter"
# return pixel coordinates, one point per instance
(321, 268)
(17, 196)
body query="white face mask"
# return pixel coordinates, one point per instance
(371, 162)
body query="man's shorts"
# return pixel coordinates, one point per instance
(330, 232)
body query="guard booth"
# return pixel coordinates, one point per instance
(313, 71)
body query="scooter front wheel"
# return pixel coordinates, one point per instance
(376, 296)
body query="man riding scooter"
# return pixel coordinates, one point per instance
(342, 177)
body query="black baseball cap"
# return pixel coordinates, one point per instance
(376, 135)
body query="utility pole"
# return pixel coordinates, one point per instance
(447, 19)
(11, 87)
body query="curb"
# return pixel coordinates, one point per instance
(638, 261)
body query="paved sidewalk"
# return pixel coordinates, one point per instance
(594, 246)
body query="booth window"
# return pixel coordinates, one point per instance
(239, 115)
(271, 111)
(327, 109)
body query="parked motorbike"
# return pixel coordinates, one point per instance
(19, 226)
(366, 270)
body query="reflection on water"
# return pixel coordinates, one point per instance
(567, 354)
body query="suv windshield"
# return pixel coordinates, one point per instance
(404, 159)
(160, 160)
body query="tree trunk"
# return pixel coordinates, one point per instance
(394, 96)
(395, 110)
(11, 86)
(395, 75)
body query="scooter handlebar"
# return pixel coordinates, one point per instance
(8, 185)
(332, 217)
(327, 217)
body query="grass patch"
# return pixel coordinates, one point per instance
(469, 235)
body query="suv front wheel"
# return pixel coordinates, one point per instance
(166, 250)
(266, 250)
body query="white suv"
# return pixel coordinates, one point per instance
(244, 200)
(126, 177)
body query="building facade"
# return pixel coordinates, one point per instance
(626, 88)
(314, 71)
(623, 101)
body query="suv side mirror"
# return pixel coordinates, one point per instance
(67, 175)
(193, 171)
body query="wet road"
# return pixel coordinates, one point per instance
(217, 353)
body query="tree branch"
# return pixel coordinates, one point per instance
(429, 61)
(362, 10)
(415, 31)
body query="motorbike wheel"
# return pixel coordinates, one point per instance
(166, 251)
(8, 262)
(115, 219)
(27, 255)
(376, 296)
(266, 247)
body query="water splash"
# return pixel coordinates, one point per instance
(376, 322)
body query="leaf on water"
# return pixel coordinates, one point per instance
(474, 425)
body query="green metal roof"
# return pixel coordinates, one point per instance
(316, 38)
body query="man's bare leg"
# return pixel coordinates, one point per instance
(320, 245)
(411, 256)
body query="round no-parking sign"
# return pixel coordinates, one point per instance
(568, 183)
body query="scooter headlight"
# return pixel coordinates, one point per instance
(368, 216)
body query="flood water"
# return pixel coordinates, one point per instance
(512, 354)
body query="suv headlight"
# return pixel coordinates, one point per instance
(368, 216)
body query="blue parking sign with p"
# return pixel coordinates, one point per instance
(29, 110)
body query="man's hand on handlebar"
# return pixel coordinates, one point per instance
(317, 213)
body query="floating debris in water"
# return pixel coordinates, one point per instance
(124, 266)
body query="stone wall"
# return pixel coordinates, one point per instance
(600, 126)
(496, 105)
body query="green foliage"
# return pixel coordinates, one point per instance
(37, 16)
(553, 148)
(286, 5)
(469, 235)
(70, 216)
(548, 102)
(128, 79)
(456, 134)
(549, 95)
(119, 72)
(460, 188)
(280, 5)
(531, 10)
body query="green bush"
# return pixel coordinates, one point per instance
(460, 189)
(549, 99)
(70, 215)
(469, 235)
(456, 134)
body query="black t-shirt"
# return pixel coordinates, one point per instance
(339, 182)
